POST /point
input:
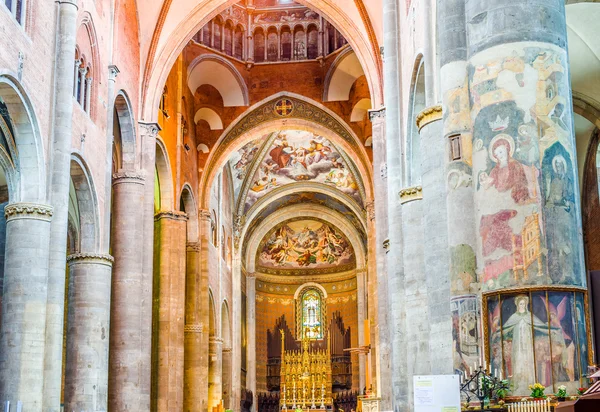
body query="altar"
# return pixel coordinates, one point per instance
(305, 376)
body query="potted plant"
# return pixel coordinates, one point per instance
(537, 391)
(502, 390)
(581, 391)
(562, 393)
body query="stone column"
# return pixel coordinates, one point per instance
(59, 178)
(435, 228)
(226, 382)
(251, 335)
(527, 203)
(22, 333)
(86, 373)
(127, 360)
(236, 317)
(170, 274)
(215, 369)
(457, 134)
(321, 37)
(394, 151)
(378, 213)
(147, 133)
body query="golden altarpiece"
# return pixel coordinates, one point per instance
(305, 375)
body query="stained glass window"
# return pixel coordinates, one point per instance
(311, 314)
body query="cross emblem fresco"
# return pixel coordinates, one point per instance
(284, 107)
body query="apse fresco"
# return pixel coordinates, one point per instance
(299, 156)
(239, 163)
(523, 170)
(540, 329)
(305, 244)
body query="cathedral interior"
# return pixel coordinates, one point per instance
(273, 205)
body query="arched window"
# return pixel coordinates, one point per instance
(311, 314)
(238, 43)
(86, 94)
(228, 39)
(259, 46)
(17, 9)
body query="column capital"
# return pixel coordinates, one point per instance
(95, 258)
(428, 115)
(193, 247)
(171, 215)
(377, 115)
(410, 194)
(215, 340)
(149, 129)
(250, 276)
(128, 176)
(204, 215)
(28, 211)
(193, 328)
(113, 72)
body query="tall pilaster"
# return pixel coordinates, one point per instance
(236, 318)
(394, 151)
(170, 276)
(113, 71)
(147, 133)
(129, 365)
(60, 163)
(197, 322)
(86, 373)
(251, 335)
(435, 235)
(193, 329)
(378, 217)
(22, 334)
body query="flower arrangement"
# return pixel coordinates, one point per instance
(581, 391)
(502, 390)
(537, 391)
(562, 392)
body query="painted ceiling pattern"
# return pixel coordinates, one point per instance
(289, 157)
(303, 245)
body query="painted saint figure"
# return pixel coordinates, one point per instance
(518, 330)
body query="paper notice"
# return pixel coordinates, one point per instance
(424, 393)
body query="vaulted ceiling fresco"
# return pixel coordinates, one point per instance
(304, 245)
(290, 157)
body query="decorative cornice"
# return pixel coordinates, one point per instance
(171, 215)
(193, 328)
(411, 194)
(101, 258)
(128, 175)
(375, 115)
(28, 211)
(428, 115)
(149, 129)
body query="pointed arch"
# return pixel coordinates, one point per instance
(125, 140)
(413, 139)
(164, 176)
(26, 176)
(188, 202)
(212, 315)
(86, 207)
(342, 74)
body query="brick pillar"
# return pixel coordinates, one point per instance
(127, 360)
(169, 274)
(22, 334)
(215, 369)
(59, 178)
(86, 374)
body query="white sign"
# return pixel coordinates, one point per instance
(436, 393)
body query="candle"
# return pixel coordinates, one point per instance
(485, 364)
